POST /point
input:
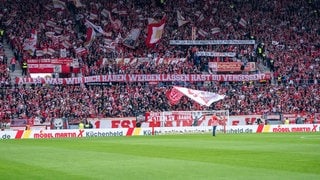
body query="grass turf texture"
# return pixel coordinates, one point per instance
(227, 156)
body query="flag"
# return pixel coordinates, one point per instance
(59, 4)
(124, 12)
(201, 18)
(39, 52)
(50, 51)
(243, 22)
(193, 33)
(181, 20)
(131, 40)
(58, 30)
(49, 33)
(151, 21)
(116, 24)
(95, 27)
(78, 3)
(66, 44)
(205, 98)
(45, 51)
(215, 30)
(173, 96)
(63, 52)
(81, 51)
(31, 43)
(105, 13)
(91, 34)
(199, 15)
(228, 24)
(51, 23)
(93, 16)
(155, 31)
(203, 33)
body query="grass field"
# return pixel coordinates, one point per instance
(226, 156)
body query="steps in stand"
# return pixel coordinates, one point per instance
(9, 53)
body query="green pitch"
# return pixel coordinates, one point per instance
(185, 157)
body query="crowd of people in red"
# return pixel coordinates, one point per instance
(285, 31)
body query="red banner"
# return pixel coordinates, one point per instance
(231, 66)
(146, 78)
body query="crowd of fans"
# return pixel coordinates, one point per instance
(285, 30)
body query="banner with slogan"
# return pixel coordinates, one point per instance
(216, 54)
(146, 78)
(231, 66)
(54, 65)
(210, 42)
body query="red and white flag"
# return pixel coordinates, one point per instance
(174, 96)
(59, 4)
(228, 24)
(199, 15)
(51, 23)
(66, 44)
(215, 30)
(58, 29)
(91, 34)
(243, 22)
(39, 52)
(203, 33)
(81, 51)
(93, 16)
(205, 98)
(123, 12)
(50, 51)
(30, 44)
(181, 20)
(45, 51)
(78, 3)
(193, 33)
(95, 27)
(131, 39)
(155, 31)
(105, 13)
(116, 24)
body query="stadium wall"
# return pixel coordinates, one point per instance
(130, 122)
(87, 133)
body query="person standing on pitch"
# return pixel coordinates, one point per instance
(215, 123)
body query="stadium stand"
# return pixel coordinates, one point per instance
(98, 35)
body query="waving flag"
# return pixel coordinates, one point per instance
(155, 31)
(131, 40)
(243, 22)
(95, 27)
(203, 33)
(116, 24)
(181, 20)
(205, 98)
(59, 4)
(91, 34)
(78, 3)
(215, 30)
(30, 44)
